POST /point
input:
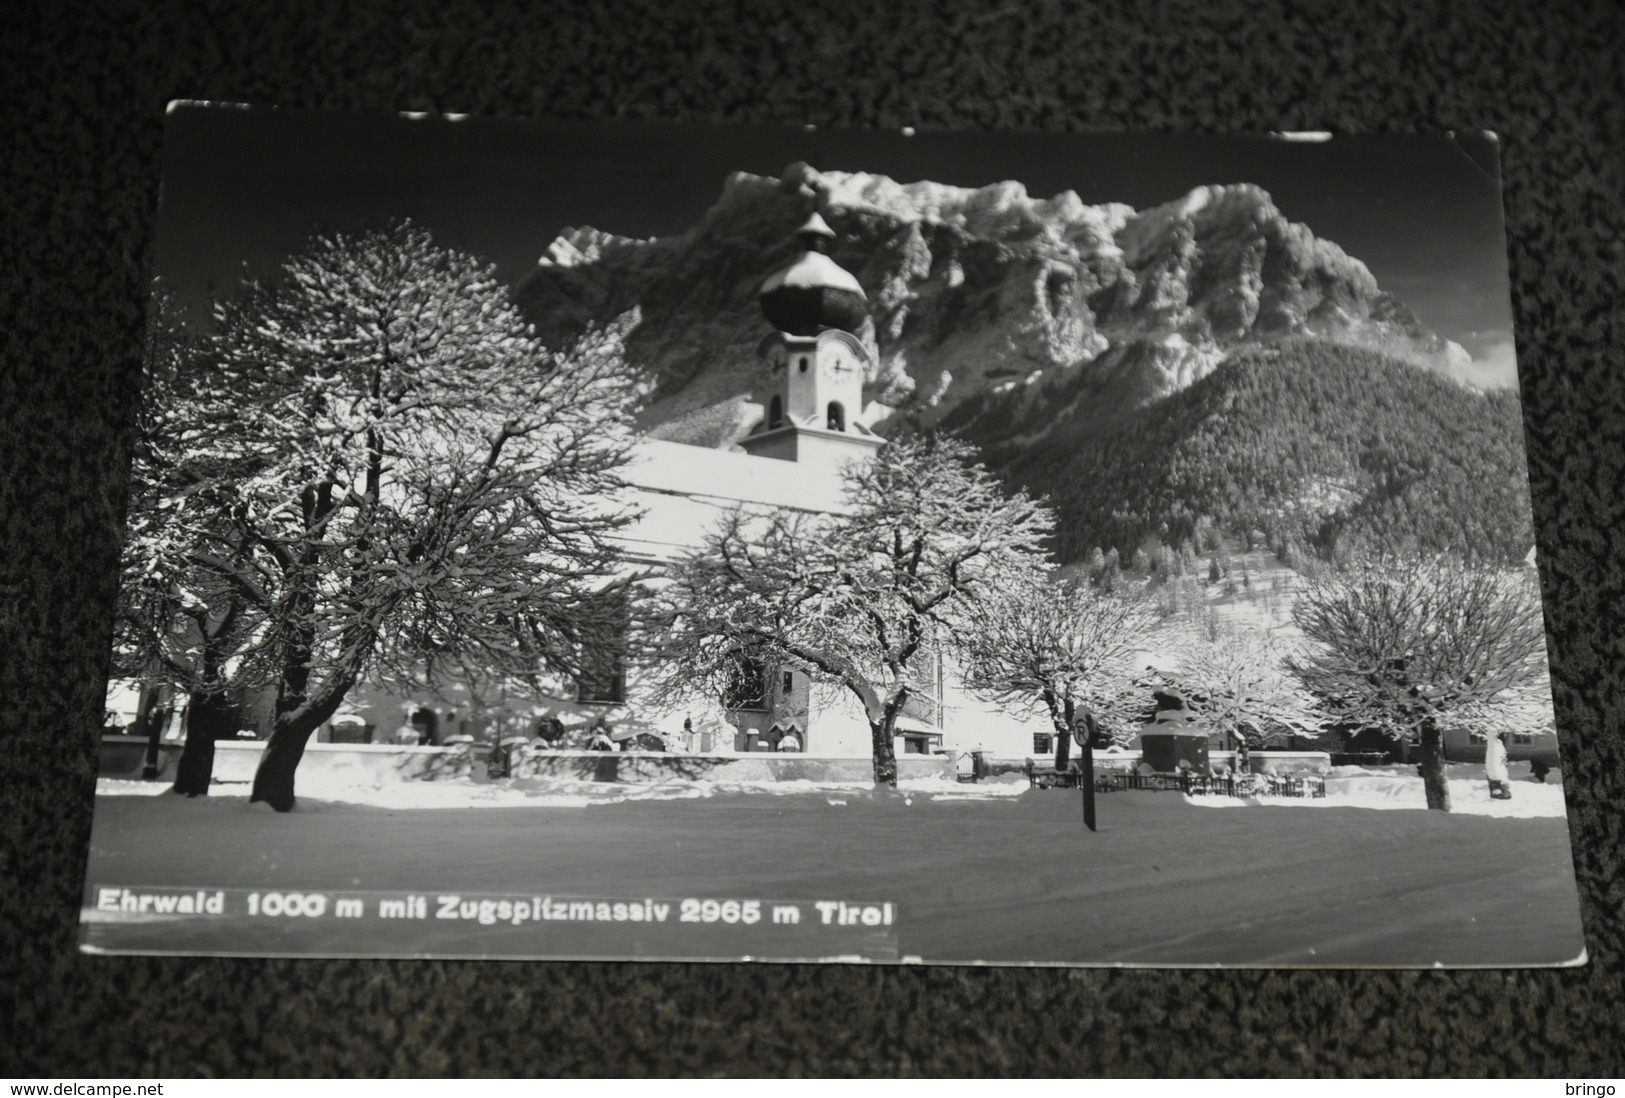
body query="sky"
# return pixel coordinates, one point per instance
(248, 186)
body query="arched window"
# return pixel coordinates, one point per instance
(601, 637)
(837, 416)
(747, 685)
(775, 412)
(427, 725)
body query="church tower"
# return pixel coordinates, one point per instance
(816, 363)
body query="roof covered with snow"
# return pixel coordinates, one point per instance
(684, 491)
(731, 477)
(814, 271)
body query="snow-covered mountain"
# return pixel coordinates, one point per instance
(1003, 312)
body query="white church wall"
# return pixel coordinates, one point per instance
(683, 492)
(731, 477)
(972, 724)
(839, 725)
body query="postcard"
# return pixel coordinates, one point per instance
(566, 541)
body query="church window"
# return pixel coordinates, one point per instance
(802, 362)
(428, 726)
(775, 412)
(747, 685)
(925, 702)
(601, 641)
(837, 416)
(789, 681)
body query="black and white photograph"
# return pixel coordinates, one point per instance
(703, 543)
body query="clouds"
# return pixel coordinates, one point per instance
(1493, 363)
(1497, 366)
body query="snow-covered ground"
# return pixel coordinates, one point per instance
(1354, 787)
(1346, 787)
(990, 873)
(575, 793)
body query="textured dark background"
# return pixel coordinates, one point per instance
(82, 93)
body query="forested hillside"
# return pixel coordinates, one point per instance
(984, 300)
(1305, 444)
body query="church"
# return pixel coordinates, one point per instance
(814, 367)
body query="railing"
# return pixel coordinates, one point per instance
(1227, 785)
(1189, 783)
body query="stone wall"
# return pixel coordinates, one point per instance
(376, 764)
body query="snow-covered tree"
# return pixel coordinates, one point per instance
(1408, 644)
(1058, 643)
(372, 468)
(1239, 682)
(179, 619)
(862, 600)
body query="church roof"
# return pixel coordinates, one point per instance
(727, 478)
(816, 224)
(683, 491)
(814, 271)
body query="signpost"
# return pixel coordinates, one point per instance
(1084, 731)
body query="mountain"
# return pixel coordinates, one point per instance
(974, 294)
(1204, 358)
(1304, 443)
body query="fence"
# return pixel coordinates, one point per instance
(378, 764)
(1192, 783)
(1226, 785)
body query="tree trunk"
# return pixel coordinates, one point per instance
(298, 716)
(273, 779)
(157, 721)
(209, 718)
(885, 753)
(150, 718)
(1433, 775)
(1062, 720)
(1086, 782)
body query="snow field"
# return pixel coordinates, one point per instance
(1346, 787)
(1013, 880)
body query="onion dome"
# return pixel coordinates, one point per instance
(814, 292)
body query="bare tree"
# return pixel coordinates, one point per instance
(1408, 644)
(1058, 643)
(179, 618)
(1241, 685)
(863, 599)
(372, 468)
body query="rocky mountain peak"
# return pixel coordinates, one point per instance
(984, 301)
(581, 247)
